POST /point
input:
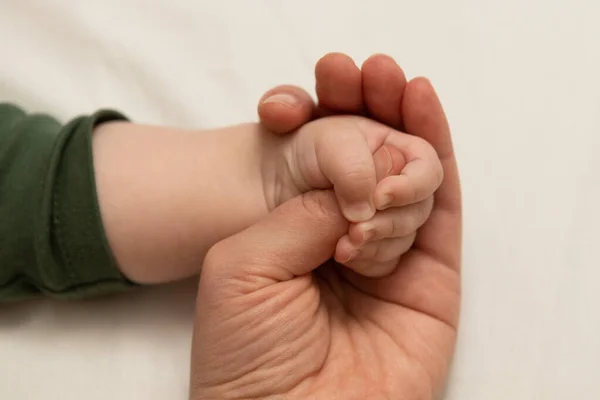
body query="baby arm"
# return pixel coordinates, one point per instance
(167, 195)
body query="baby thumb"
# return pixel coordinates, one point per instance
(293, 240)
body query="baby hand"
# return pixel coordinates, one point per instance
(384, 181)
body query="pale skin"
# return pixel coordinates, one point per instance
(167, 195)
(277, 319)
(365, 338)
(376, 91)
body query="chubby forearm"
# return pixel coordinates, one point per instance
(167, 195)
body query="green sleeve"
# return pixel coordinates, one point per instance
(51, 236)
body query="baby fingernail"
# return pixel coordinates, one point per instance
(359, 212)
(368, 234)
(383, 201)
(283, 99)
(353, 254)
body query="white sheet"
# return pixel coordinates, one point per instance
(520, 83)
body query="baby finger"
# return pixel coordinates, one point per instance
(393, 222)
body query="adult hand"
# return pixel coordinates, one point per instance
(275, 319)
(376, 91)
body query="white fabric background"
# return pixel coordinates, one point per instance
(520, 83)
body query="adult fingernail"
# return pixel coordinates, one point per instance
(359, 212)
(284, 99)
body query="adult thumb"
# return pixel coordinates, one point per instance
(293, 240)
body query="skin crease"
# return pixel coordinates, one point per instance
(375, 91)
(275, 319)
(169, 247)
(162, 213)
(335, 145)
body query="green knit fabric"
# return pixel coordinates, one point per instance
(52, 240)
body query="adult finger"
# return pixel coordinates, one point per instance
(338, 85)
(285, 108)
(424, 117)
(294, 239)
(383, 84)
(427, 278)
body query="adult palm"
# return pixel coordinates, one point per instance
(275, 319)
